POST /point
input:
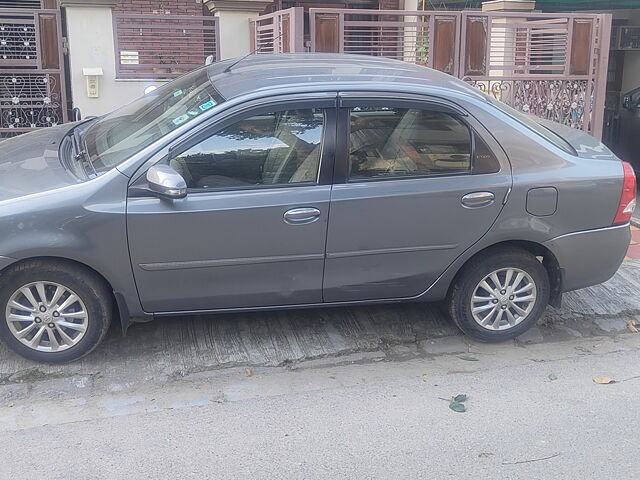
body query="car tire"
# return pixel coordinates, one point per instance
(519, 306)
(75, 330)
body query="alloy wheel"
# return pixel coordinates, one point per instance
(47, 316)
(503, 299)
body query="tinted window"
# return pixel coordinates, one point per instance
(272, 149)
(397, 142)
(484, 160)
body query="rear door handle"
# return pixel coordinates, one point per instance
(301, 216)
(478, 199)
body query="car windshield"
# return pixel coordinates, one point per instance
(115, 137)
(530, 122)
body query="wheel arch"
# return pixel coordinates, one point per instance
(546, 256)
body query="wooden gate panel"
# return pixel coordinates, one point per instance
(445, 45)
(326, 34)
(475, 47)
(581, 45)
(49, 44)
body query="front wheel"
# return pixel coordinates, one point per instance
(52, 311)
(499, 295)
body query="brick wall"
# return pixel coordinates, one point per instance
(162, 44)
(168, 7)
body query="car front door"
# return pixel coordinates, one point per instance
(417, 183)
(251, 231)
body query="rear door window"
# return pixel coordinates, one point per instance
(391, 142)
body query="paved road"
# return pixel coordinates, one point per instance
(365, 420)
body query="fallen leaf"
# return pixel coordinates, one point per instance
(10, 405)
(424, 375)
(553, 376)
(468, 358)
(485, 454)
(604, 380)
(457, 407)
(249, 372)
(460, 398)
(633, 326)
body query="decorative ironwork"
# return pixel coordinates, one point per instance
(18, 41)
(29, 101)
(564, 101)
(32, 79)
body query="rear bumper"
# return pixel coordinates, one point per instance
(590, 257)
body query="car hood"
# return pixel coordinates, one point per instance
(584, 144)
(30, 164)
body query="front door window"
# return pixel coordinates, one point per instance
(277, 148)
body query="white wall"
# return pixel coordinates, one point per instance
(91, 44)
(234, 33)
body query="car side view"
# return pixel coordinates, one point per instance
(302, 180)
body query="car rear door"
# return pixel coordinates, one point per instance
(252, 230)
(417, 182)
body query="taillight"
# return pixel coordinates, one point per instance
(628, 197)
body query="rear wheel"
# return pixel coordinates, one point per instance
(53, 312)
(499, 295)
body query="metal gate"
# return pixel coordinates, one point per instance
(278, 32)
(32, 83)
(550, 65)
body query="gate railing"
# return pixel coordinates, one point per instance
(32, 84)
(278, 32)
(163, 46)
(425, 38)
(551, 65)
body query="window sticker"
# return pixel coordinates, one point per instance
(180, 120)
(193, 113)
(208, 105)
(177, 93)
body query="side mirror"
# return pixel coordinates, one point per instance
(165, 182)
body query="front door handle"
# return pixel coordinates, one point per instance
(301, 216)
(478, 199)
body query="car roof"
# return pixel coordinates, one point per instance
(292, 71)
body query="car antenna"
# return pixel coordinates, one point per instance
(228, 69)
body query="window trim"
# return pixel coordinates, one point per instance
(343, 164)
(327, 151)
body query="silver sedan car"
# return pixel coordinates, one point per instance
(291, 181)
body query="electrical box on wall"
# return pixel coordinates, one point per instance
(92, 78)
